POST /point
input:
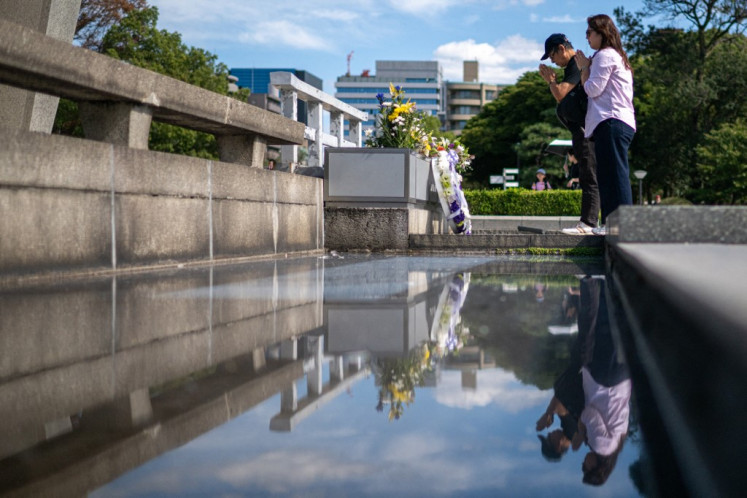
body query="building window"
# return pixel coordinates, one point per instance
(465, 94)
(468, 110)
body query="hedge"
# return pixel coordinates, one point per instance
(523, 202)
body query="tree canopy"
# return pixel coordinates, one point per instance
(97, 16)
(690, 95)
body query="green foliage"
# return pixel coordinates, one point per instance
(136, 40)
(687, 83)
(67, 119)
(492, 135)
(675, 201)
(534, 139)
(513, 330)
(523, 202)
(722, 162)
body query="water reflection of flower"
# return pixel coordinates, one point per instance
(398, 377)
(448, 332)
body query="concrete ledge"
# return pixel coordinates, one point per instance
(503, 241)
(684, 328)
(683, 224)
(482, 224)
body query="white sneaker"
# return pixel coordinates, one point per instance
(580, 229)
(600, 231)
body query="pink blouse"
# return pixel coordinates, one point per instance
(610, 90)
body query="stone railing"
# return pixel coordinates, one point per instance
(118, 101)
(107, 203)
(291, 90)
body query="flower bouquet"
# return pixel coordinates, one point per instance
(400, 125)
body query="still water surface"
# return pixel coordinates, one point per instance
(348, 376)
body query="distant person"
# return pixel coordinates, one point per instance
(607, 79)
(271, 164)
(571, 111)
(657, 199)
(541, 183)
(572, 172)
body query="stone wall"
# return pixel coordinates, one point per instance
(76, 205)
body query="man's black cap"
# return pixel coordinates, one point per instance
(553, 41)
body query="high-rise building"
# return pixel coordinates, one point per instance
(258, 81)
(421, 80)
(465, 99)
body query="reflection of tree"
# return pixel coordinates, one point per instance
(509, 323)
(398, 377)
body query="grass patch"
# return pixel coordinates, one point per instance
(596, 252)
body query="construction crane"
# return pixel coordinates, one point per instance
(350, 56)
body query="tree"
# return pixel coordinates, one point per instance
(492, 134)
(722, 161)
(687, 82)
(713, 20)
(533, 140)
(97, 16)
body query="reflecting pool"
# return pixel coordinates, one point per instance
(343, 375)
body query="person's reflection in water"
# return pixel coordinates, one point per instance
(603, 423)
(568, 399)
(591, 397)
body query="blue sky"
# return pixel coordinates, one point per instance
(505, 36)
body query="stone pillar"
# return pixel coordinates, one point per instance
(116, 123)
(289, 106)
(315, 120)
(356, 132)
(337, 127)
(248, 150)
(22, 109)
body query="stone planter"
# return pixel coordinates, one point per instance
(377, 176)
(375, 198)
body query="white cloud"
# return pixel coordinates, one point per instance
(336, 15)
(561, 19)
(424, 7)
(505, 4)
(285, 33)
(499, 63)
(270, 470)
(494, 387)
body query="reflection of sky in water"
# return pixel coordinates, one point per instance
(449, 442)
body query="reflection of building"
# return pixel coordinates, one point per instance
(130, 368)
(421, 80)
(469, 361)
(465, 99)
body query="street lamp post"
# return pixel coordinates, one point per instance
(640, 174)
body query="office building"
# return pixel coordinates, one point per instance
(465, 99)
(421, 80)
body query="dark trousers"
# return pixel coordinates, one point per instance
(583, 149)
(611, 142)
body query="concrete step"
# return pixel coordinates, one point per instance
(509, 241)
